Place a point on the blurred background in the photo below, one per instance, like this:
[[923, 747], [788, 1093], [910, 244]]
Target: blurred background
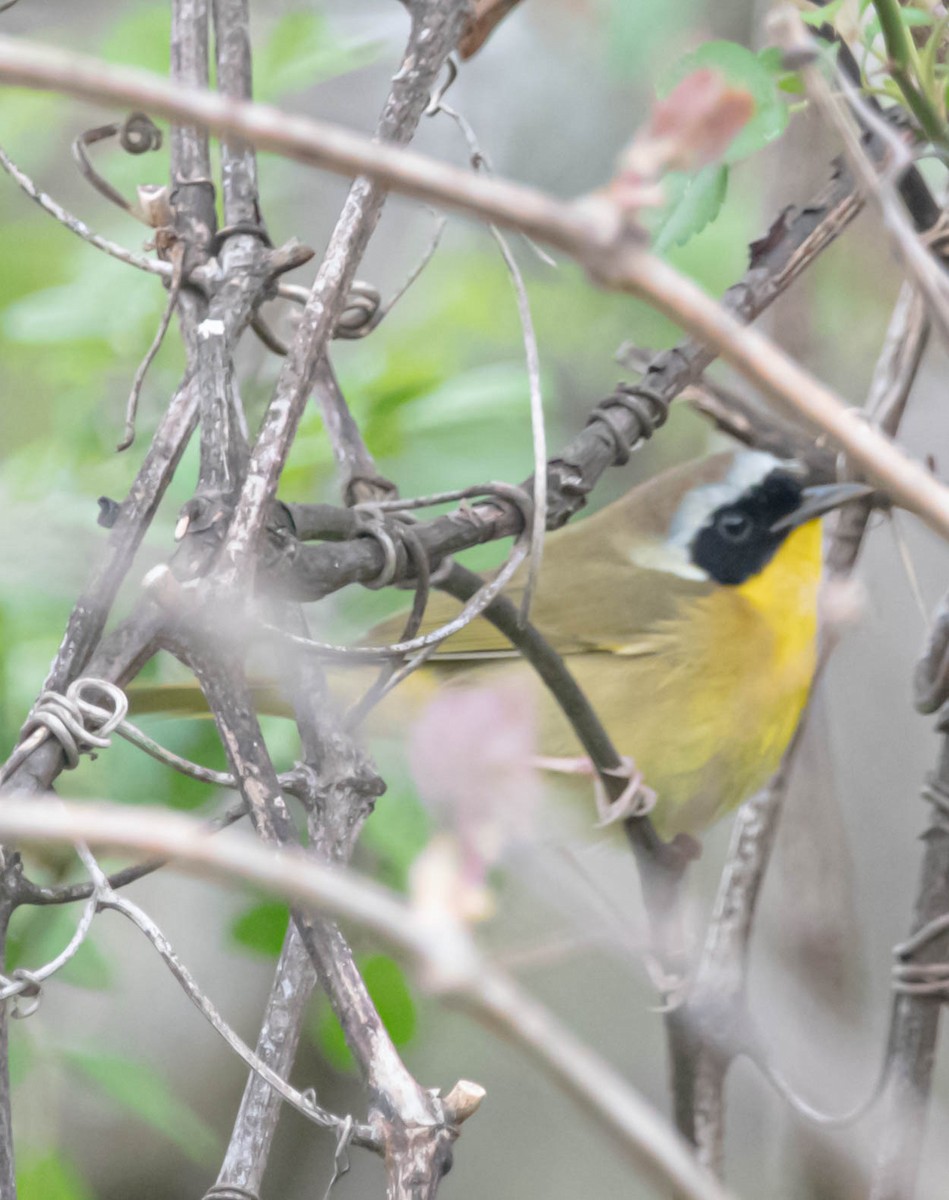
[[121, 1088]]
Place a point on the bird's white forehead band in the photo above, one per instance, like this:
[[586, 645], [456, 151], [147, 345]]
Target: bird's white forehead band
[[747, 470]]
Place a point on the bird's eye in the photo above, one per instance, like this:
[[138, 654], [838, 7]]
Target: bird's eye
[[734, 526]]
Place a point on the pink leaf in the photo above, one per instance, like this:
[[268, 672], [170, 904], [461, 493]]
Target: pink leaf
[[470, 753]]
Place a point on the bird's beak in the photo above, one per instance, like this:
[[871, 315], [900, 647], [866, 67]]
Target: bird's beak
[[815, 501]]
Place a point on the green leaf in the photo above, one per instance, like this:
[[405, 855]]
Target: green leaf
[[302, 51], [50, 1178], [743, 69], [696, 206], [135, 1088], [929, 66], [390, 993], [262, 928]]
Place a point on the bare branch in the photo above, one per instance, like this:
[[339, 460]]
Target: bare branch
[[7, 1166], [443, 949], [255, 1124], [593, 232], [238, 160], [411, 1128], [920, 972], [88, 618], [919, 264], [338, 786], [914, 1025], [435, 29], [193, 196]]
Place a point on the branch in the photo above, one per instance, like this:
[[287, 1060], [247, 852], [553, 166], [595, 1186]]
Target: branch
[[338, 787], [920, 972], [435, 30], [272, 1079], [193, 196], [436, 26], [88, 617], [411, 1128], [918, 263], [238, 160], [441, 948], [792, 243], [248, 1148], [592, 231]]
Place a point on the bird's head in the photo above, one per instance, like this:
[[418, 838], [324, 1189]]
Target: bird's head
[[726, 518]]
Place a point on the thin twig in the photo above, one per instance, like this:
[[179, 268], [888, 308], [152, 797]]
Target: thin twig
[[479, 162], [131, 408], [914, 1023], [338, 786], [301, 1101], [416, 1139], [153, 265], [436, 26], [919, 264]]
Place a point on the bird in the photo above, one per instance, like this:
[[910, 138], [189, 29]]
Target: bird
[[687, 612]]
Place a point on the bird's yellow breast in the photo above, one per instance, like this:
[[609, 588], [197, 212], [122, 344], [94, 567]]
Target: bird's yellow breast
[[710, 706]]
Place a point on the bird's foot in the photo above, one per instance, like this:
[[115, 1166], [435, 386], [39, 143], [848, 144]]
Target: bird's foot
[[635, 800]]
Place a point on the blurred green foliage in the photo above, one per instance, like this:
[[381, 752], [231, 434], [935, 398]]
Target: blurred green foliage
[[137, 1089], [50, 1178]]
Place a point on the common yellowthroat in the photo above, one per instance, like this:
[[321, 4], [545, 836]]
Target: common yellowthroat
[[686, 611]]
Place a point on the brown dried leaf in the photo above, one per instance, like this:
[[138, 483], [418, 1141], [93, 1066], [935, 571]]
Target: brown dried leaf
[[690, 128]]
